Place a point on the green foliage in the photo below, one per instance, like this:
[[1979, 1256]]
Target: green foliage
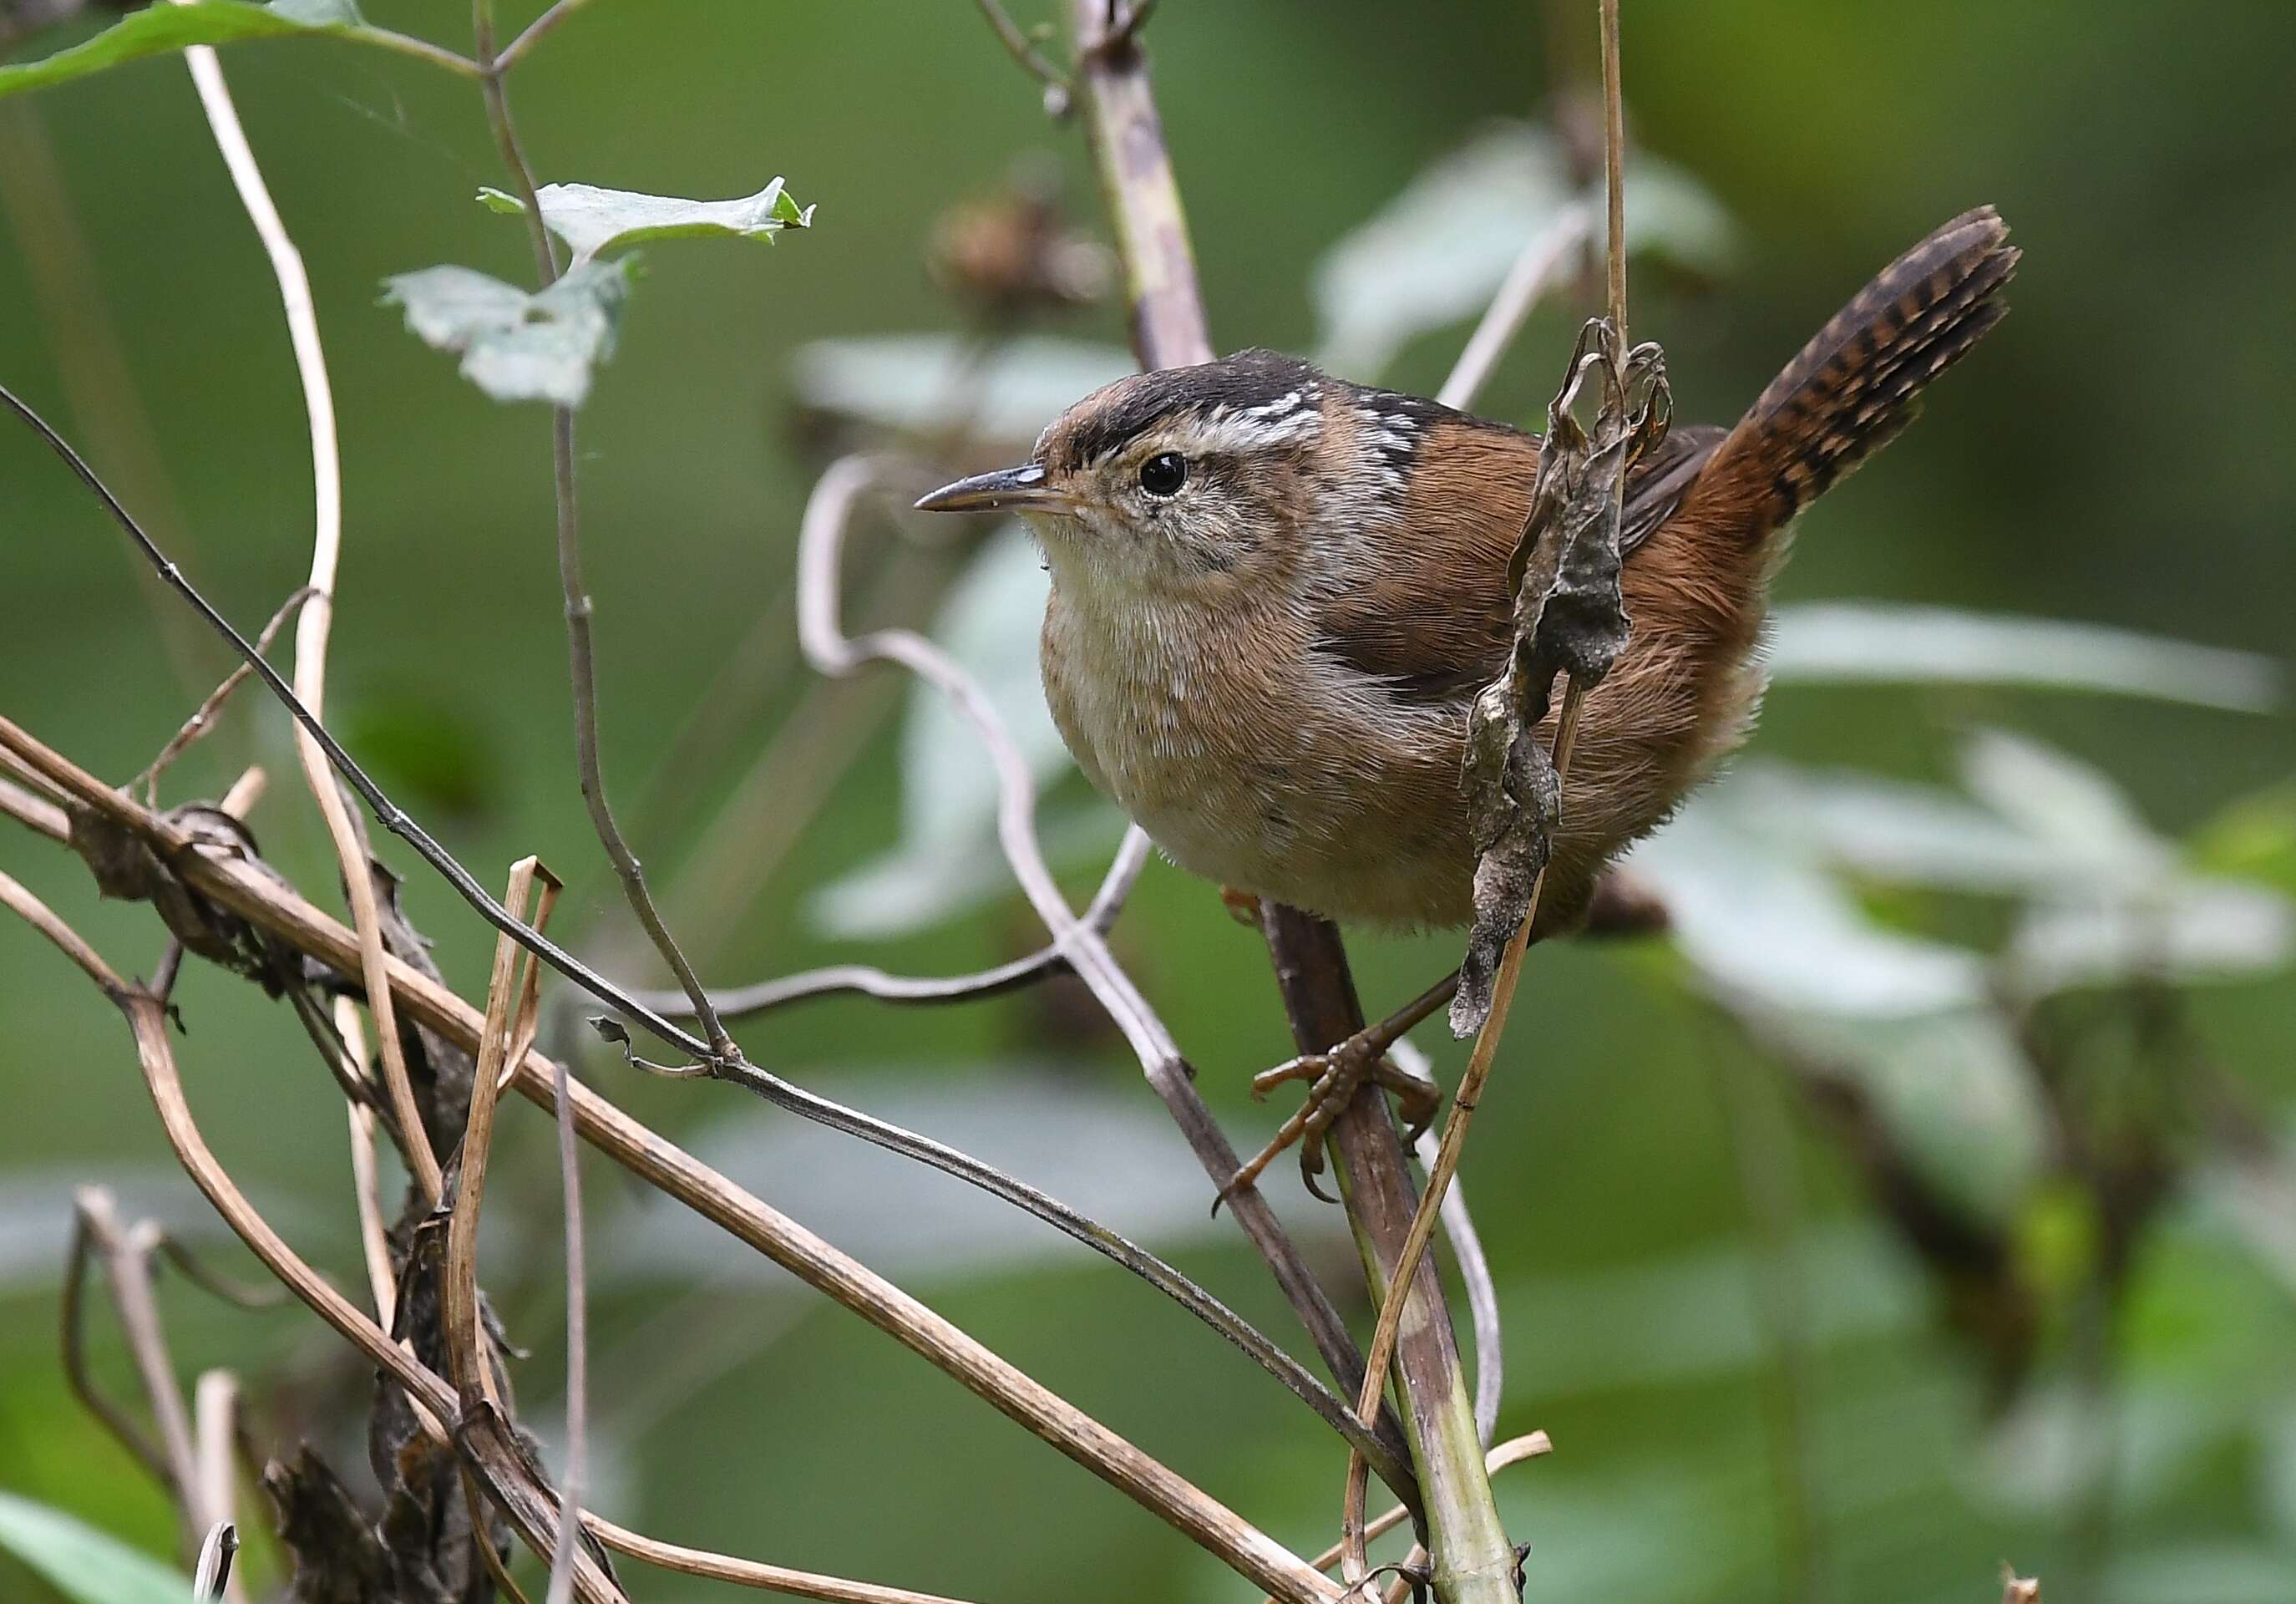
[[82, 1563], [160, 29], [594, 220], [516, 346]]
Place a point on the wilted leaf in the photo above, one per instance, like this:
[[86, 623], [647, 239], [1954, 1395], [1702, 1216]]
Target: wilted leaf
[[83, 1564], [518, 347], [161, 29], [594, 220], [1569, 619], [1437, 253], [1866, 643], [931, 384]]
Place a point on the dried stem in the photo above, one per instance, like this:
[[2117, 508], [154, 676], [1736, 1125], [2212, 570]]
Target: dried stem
[[538, 30], [269, 906], [748, 1573], [1548, 257], [312, 628], [1017, 47]]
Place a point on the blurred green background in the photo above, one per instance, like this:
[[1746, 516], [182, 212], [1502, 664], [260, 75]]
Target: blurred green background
[[1732, 1421]]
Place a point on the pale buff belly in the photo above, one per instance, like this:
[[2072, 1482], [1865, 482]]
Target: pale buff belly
[[1300, 788]]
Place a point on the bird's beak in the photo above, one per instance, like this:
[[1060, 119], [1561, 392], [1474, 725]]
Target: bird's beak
[[1023, 487]]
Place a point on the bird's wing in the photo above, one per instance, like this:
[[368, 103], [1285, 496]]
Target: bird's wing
[[1429, 612]]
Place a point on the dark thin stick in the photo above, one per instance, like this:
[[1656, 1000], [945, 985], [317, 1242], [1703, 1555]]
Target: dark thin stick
[[783, 1094], [581, 663], [203, 716]]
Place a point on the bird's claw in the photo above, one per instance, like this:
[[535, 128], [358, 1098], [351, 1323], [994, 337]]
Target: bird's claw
[[1333, 1077]]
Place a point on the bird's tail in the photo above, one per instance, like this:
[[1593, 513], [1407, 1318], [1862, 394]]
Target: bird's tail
[[1856, 383]]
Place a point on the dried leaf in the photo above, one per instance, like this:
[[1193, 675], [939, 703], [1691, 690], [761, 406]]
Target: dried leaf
[[338, 1559], [1568, 617]]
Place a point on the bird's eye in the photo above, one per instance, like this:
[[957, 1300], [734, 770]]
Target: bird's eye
[[1164, 473]]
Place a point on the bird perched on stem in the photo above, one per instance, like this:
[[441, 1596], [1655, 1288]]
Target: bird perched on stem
[[1275, 594]]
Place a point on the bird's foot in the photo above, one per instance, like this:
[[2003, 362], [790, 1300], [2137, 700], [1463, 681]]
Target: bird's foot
[[1333, 1077]]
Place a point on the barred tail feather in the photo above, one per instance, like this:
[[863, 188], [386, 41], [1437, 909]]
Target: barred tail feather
[[1856, 383]]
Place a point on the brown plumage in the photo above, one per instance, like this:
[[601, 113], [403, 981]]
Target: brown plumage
[[1274, 594]]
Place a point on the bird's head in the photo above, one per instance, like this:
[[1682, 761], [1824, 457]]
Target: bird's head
[[1183, 479]]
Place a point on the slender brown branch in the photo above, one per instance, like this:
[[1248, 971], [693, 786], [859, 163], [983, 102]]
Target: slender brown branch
[[203, 716], [215, 1432], [1547, 258], [35, 811], [536, 31], [1017, 47], [748, 1573]]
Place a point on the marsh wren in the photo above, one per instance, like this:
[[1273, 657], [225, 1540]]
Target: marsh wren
[[1275, 594]]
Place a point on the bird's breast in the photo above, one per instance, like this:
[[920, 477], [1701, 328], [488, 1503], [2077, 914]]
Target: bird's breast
[[1253, 758]]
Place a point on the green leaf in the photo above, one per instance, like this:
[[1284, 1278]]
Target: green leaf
[[82, 1563], [161, 29], [518, 347], [595, 221]]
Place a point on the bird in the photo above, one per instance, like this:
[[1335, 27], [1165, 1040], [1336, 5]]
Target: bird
[[1275, 594]]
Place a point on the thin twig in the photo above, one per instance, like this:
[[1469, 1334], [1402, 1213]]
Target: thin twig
[[314, 626], [240, 1295], [36, 811], [835, 979], [1474, 1274], [203, 716], [1017, 45], [366, 1187], [1546, 257], [540, 29], [279, 912], [748, 1573], [580, 651]]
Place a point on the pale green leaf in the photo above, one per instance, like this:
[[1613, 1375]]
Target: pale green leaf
[[84, 1564], [515, 346], [594, 220]]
